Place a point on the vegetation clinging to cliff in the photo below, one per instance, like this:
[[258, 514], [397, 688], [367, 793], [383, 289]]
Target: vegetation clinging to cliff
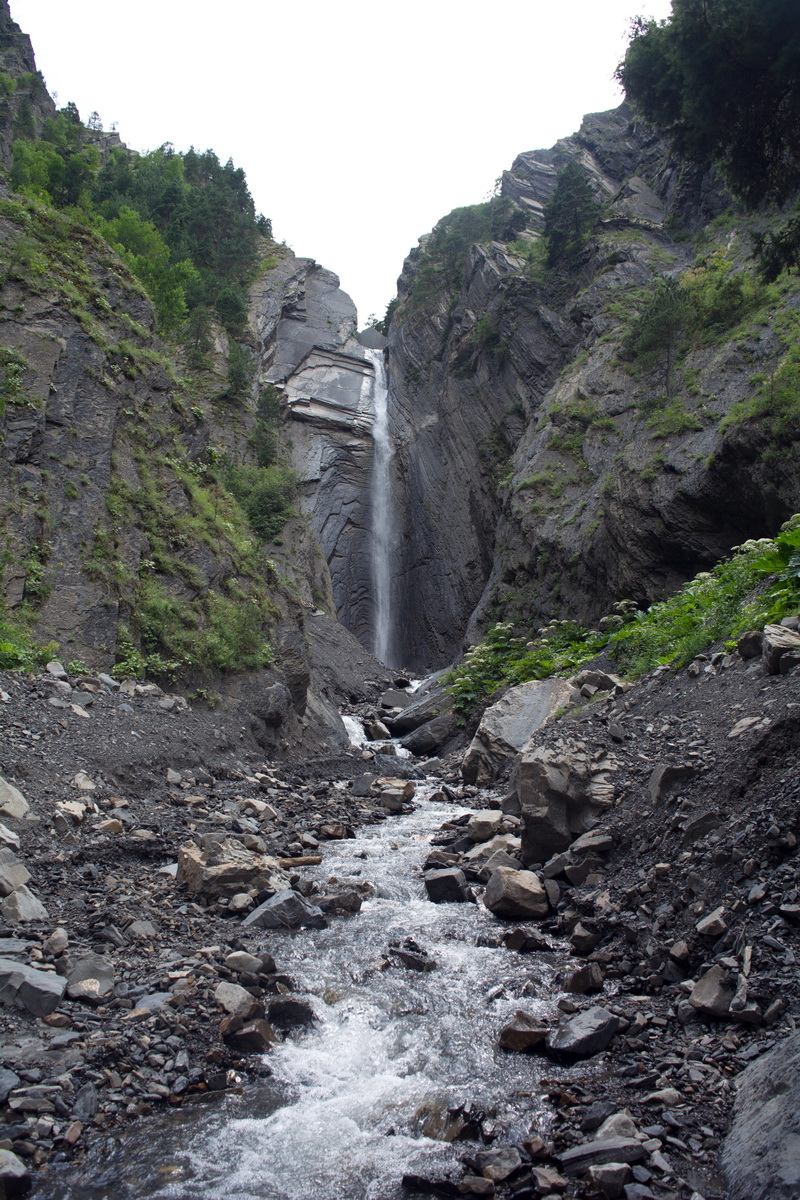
[[715, 606]]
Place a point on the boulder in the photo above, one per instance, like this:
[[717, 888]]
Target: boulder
[[23, 906], [15, 1178], [761, 1154], [90, 977], [430, 737], [582, 1035], [556, 800], [40, 992], [777, 642], [482, 826], [515, 894], [255, 1037], [12, 801], [286, 910], [523, 1032], [578, 1159], [498, 1165], [233, 998], [226, 867], [509, 724], [13, 872], [712, 993], [448, 886], [588, 978]]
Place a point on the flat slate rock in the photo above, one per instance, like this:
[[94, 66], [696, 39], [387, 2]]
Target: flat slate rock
[[40, 992], [578, 1159]]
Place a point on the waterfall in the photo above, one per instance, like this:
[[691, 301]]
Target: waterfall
[[382, 523]]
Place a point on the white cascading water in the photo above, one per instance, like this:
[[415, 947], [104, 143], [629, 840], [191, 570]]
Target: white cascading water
[[382, 510], [342, 1115]]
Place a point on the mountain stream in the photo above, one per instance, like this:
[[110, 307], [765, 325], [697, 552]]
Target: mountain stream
[[345, 1111]]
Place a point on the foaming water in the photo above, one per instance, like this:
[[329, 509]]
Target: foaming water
[[341, 1117]]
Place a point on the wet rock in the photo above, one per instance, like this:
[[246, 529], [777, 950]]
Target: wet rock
[[584, 938], [476, 1185], [286, 910], [15, 1178], [254, 1037], [225, 867], [523, 1032], [518, 895], [290, 1012], [12, 801], [448, 886], [761, 1154], [712, 994], [90, 977], [23, 906], [243, 963], [588, 978], [412, 955], [431, 736], [584, 1034], [498, 1165], [507, 726], [40, 992]]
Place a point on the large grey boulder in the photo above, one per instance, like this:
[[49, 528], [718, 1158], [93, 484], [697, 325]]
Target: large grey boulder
[[448, 886], [584, 1034], [23, 906], [13, 872], [286, 910], [761, 1154], [712, 993], [90, 977], [225, 867], [509, 724], [778, 641], [40, 992], [559, 793], [12, 801], [519, 895]]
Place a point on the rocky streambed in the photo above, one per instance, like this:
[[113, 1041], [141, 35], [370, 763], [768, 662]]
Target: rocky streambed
[[450, 1017]]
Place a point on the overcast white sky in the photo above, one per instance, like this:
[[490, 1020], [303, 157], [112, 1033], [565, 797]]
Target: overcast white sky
[[358, 125]]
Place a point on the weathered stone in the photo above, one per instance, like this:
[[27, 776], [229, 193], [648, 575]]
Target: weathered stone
[[432, 736], [712, 994], [497, 1165], [8, 837], [666, 780], [227, 867], [515, 894], [476, 1185], [286, 910], [588, 978], [609, 1179], [23, 906], [141, 931], [713, 925], [234, 999], [484, 824], [90, 977], [584, 938], [40, 992], [761, 1154], [554, 792], [777, 642], [12, 802], [448, 886], [507, 726], [13, 872], [56, 943], [750, 644], [578, 1159], [243, 963], [699, 826], [593, 842], [255, 1037], [523, 1032], [15, 1178], [584, 1034]]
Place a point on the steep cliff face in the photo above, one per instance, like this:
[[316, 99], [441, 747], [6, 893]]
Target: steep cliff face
[[545, 472], [310, 349]]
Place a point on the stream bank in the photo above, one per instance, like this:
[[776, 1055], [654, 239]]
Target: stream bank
[[671, 1065]]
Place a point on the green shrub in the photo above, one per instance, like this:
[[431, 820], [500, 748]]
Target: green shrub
[[265, 493]]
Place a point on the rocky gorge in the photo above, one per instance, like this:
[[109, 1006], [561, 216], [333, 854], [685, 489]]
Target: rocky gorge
[[278, 920]]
